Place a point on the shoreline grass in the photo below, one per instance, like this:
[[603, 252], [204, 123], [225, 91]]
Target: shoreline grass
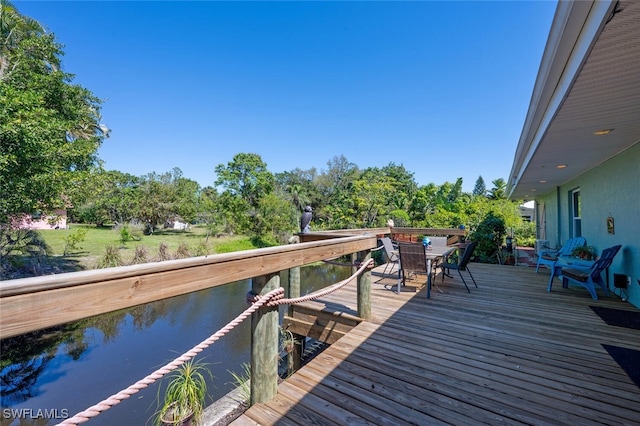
[[177, 243]]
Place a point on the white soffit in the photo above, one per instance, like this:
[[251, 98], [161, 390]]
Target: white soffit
[[599, 88]]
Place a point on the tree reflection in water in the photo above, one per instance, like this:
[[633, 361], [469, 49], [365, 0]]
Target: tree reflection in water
[[26, 361]]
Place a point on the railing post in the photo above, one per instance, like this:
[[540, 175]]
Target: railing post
[[364, 288], [264, 343], [354, 260], [294, 359]]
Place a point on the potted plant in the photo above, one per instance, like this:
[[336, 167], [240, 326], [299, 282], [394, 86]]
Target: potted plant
[[185, 395], [584, 252]]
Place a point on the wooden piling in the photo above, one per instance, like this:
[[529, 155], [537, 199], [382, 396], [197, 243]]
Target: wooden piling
[[264, 343], [295, 357], [364, 288]]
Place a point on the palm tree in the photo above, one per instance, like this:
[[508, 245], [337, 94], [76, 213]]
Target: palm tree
[[499, 190], [14, 27]]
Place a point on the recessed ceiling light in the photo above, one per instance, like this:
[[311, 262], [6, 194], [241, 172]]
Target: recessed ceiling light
[[603, 132], [561, 166]]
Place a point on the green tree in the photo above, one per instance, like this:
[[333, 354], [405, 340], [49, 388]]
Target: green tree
[[489, 235], [334, 187], [499, 190], [246, 181], [404, 186], [156, 200], [210, 211], [15, 27], [480, 188], [276, 221], [186, 198], [299, 187], [50, 129], [109, 196]]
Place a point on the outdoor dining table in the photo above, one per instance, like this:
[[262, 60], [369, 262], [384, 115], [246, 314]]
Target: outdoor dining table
[[432, 253]]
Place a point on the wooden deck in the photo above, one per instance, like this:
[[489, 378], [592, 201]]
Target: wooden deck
[[509, 352]]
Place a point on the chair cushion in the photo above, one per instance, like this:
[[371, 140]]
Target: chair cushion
[[576, 274]]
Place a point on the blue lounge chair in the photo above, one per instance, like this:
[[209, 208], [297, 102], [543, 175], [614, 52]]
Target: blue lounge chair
[[589, 277], [551, 257]]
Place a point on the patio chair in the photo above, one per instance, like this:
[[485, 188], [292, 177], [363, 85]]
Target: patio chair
[[391, 251], [445, 259], [591, 276], [462, 265], [551, 257], [412, 258]]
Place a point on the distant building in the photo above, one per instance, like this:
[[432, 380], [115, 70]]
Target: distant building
[[527, 212], [55, 220]]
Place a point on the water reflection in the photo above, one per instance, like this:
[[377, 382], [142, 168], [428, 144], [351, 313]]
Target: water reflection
[[74, 366]]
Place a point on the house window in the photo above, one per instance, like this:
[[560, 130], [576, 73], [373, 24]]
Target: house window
[[575, 213]]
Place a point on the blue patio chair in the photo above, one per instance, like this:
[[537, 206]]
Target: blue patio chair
[[588, 278], [551, 257], [461, 265]]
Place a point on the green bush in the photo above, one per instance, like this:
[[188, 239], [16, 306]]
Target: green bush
[[21, 249], [131, 231], [163, 252], [182, 252], [110, 258], [489, 235], [141, 255], [73, 239], [400, 218]]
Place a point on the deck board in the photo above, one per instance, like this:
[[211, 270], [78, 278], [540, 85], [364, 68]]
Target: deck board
[[510, 352]]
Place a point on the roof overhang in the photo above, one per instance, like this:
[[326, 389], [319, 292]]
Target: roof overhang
[[585, 106]]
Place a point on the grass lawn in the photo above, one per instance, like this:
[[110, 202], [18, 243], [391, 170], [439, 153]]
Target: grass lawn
[[89, 251]]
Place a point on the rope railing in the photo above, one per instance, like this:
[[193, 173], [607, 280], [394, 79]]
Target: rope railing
[[272, 298]]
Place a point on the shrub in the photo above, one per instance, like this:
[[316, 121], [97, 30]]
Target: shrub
[[131, 231], [163, 252], [141, 255], [110, 258], [73, 239], [182, 252], [202, 249], [525, 234], [489, 235], [25, 242], [400, 218]]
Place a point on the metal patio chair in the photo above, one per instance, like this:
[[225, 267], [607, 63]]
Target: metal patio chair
[[461, 265]]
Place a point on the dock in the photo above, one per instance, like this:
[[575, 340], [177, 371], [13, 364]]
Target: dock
[[508, 352]]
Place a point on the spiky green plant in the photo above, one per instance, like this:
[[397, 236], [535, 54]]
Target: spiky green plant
[[185, 394], [163, 252], [182, 252], [242, 381], [110, 258], [141, 255]]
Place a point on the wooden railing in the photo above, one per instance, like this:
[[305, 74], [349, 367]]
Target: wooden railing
[[453, 235], [36, 303]]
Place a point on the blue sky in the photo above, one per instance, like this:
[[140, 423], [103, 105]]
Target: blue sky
[[440, 87]]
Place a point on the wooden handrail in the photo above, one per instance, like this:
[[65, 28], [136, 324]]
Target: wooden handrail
[[31, 304], [429, 231]]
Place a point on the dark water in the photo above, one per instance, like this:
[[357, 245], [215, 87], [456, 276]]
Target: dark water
[[67, 369]]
